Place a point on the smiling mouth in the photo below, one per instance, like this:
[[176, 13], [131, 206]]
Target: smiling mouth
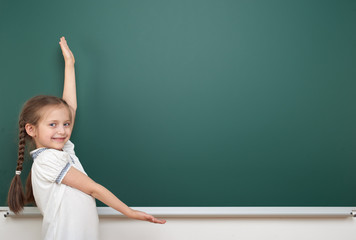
[[59, 139]]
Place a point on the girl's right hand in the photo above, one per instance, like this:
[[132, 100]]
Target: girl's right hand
[[146, 217]]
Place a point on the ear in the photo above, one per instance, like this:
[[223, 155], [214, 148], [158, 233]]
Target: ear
[[30, 129]]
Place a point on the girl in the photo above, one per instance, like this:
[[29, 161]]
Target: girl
[[57, 182]]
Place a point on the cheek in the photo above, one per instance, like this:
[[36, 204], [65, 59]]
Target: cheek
[[47, 132], [69, 131]]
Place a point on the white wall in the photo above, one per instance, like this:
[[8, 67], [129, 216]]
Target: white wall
[[20, 228]]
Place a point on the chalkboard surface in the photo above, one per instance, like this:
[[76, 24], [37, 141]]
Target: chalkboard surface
[[194, 103]]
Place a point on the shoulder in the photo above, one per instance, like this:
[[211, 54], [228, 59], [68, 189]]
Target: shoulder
[[50, 165], [69, 147], [47, 156]]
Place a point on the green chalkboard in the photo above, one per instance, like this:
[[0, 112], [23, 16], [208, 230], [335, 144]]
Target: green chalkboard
[[194, 103]]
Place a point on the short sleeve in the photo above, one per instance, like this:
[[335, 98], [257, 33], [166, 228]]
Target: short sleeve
[[52, 165], [69, 147]]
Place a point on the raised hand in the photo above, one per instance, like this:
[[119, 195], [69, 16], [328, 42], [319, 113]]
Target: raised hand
[[67, 53]]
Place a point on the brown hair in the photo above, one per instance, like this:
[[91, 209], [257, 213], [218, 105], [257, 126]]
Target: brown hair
[[31, 113]]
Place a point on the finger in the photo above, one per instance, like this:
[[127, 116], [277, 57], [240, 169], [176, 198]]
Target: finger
[[149, 218], [64, 46], [61, 40], [160, 221]]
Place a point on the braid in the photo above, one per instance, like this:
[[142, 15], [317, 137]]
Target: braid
[[22, 144], [29, 198], [16, 196]]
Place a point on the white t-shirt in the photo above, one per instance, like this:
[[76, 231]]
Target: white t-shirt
[[68, 214]]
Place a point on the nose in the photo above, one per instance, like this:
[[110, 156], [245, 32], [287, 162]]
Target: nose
[[60, 130]]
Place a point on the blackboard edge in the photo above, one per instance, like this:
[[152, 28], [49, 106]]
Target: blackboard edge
[[215, 212]]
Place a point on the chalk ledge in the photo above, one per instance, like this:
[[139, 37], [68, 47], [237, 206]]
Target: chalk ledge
[[213, 212]]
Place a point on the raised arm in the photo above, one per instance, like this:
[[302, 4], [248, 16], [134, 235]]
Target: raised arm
[[69, 89]]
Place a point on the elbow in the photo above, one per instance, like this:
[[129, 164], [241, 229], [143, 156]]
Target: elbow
[[95, 191]]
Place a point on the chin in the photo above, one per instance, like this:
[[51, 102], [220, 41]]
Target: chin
[[58, 146]]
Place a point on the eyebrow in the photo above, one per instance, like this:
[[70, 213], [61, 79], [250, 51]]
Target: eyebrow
[[59, 121]]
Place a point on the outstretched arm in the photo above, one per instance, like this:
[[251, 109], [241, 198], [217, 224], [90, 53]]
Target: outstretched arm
[[69, 89], [76, 179]]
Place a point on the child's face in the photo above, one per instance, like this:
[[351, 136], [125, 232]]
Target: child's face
[[54, 128]]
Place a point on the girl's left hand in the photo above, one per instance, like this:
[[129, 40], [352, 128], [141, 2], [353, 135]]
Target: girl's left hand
[[146, 217], [67, 53]]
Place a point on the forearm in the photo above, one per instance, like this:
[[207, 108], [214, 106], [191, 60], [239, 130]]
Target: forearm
[[69, 89], [76, 179], [105, 196]]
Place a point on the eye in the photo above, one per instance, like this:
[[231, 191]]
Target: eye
[[52, 124], [67, 124]]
